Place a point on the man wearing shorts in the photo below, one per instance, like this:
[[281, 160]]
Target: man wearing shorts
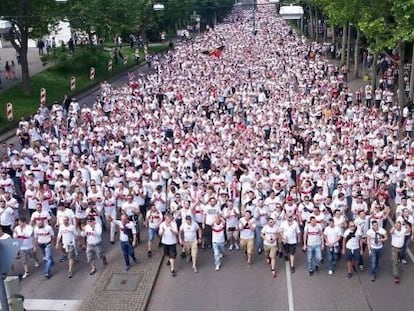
[[153, 221], [269, 235], [247, 227], [67, 237], [169, 237], [24, 233], [190, 237], [93, 233], [351, 247], [290, 231]]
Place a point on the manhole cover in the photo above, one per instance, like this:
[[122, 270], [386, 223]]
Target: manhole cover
[[123, 282]]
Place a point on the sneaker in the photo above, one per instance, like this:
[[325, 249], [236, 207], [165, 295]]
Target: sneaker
[[268, 260], [310, 273], [373, 278], [349, 275], [397, 280], [149, 254], [25, 275], [237, 246], [195, 269], [273, 273], [231, 247], [47, 276], [36, 264], [173, 273], [259, 251], [404, 261], [93, 271], [361, 268], [217, 267], [292, 270], [104, 261], [317, 268], [112, 242], [330, 272], [63, 258], [70, 274], [127, 268]]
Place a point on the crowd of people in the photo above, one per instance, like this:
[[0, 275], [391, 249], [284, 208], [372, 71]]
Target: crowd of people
[[261, 147]]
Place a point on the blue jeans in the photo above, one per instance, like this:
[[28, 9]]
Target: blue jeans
[[331, 257], [48, 258], [127, 250], [258, 237], [218, 249], [314, 256], [374, 259]]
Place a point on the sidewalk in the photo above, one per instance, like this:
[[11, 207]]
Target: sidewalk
[[9, 54], [126, 291]]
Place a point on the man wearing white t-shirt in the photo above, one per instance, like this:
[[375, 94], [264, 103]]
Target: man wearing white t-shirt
[[190, 237], [93, 233], [269, 235], [24, 233], [376, 236], [43, 236], [67, 237], [128, 239], [247, 227], [397, 233], [351, 247], [231, 215], [169, 237], [313, 245], [218, 240], [40, 216], [290, 235], [153, 221], [210, 211], [332, 236], [6, 217]]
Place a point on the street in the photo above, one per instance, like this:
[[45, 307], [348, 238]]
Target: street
[[237, 287]]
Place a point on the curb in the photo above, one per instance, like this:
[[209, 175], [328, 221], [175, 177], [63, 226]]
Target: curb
[[147, 298]]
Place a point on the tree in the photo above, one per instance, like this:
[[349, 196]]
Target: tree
[[388, 25], [29, 18]]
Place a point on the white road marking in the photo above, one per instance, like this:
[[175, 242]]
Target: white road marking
[[52, 305], [410, 254], [289, 287]]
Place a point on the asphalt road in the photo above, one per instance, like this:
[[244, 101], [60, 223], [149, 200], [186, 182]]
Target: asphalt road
[[237, 287]]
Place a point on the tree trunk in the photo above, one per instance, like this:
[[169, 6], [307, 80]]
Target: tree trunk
[[374, 72], [311, 21], [348, 47], [343, 48], [316, 25], [356, 55], [401, 88], [412, 75], [20, 44]]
